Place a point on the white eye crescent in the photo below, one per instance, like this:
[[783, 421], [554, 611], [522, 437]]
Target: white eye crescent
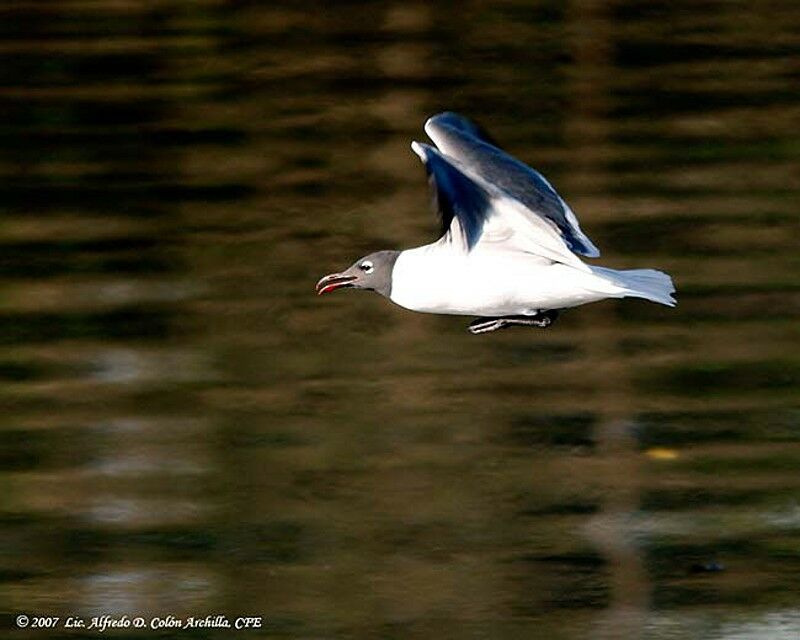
[[367, 266]]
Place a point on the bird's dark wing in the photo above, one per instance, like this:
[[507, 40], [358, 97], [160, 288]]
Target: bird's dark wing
[[475, 213], [459, 138], [455, 195]]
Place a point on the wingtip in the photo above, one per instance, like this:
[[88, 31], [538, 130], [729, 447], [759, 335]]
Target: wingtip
[[591, 251], [419, 149], [432, 120], [449, 120], [580, 244]]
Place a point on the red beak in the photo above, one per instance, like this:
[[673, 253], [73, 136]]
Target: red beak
[[332, 282]]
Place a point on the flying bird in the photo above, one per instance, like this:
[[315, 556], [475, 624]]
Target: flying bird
[[510, 247]]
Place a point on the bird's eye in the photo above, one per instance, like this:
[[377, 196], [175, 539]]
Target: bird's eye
[[366, 266]]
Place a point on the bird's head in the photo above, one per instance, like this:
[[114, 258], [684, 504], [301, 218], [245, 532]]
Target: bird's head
[[373, 272]]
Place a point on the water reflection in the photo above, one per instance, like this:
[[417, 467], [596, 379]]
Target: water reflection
[[188, 430]]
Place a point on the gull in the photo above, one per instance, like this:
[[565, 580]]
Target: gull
[[510, 249]]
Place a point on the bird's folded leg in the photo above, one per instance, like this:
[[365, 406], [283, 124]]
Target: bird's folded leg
[[485, 325], [542, 320]]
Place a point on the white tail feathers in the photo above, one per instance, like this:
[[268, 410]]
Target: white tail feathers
[[649, 284]]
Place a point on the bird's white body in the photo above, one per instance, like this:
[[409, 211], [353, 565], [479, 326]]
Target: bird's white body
[[439, 278]]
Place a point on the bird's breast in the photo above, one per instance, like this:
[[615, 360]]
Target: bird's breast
[[464, 284]]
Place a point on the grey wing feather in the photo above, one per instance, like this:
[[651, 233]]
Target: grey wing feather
[[463, 140]]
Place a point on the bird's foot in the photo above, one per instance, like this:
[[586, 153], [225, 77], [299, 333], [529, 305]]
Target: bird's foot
[[541, 320]]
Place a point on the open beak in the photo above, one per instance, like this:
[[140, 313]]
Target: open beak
[[334, 281]]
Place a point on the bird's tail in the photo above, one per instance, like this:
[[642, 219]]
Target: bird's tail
[[649, 284]]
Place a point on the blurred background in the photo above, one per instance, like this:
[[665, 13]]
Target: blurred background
[[187, 429]]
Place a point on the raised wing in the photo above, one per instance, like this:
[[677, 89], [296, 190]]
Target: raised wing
[[463, 140], [478, 214]]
